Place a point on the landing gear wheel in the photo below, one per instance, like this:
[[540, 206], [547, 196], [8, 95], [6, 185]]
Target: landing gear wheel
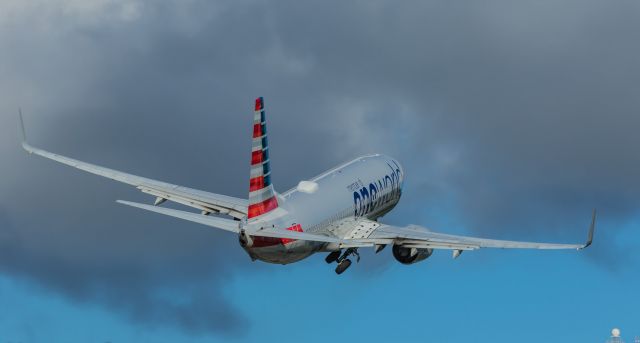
[[332, 257], [342, 266]]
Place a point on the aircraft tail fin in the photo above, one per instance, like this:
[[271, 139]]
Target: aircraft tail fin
[[262, 196]]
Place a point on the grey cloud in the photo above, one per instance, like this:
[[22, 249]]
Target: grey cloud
[[514, 119]]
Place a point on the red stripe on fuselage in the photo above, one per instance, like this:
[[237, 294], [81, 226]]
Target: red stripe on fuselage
[[297, 228], [262, 207], [262, 242]]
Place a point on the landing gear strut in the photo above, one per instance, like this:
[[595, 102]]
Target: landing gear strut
[[344, 262]]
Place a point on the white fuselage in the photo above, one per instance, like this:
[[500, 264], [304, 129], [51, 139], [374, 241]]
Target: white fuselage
[[368, 186]]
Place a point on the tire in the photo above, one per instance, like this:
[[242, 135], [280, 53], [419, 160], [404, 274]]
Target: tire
[[332, 257], [342, 266]]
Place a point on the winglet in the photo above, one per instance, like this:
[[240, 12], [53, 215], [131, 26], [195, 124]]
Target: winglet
[[23, 132], [592, 228]]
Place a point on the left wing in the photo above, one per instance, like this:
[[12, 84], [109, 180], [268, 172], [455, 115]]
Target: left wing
[[369, 233]]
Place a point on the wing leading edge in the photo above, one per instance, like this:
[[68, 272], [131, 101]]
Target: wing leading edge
[[204, 201]]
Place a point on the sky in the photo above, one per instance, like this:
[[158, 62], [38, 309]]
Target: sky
[[512, 120]]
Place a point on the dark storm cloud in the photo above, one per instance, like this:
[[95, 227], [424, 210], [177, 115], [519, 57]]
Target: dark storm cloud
[[513, 118]]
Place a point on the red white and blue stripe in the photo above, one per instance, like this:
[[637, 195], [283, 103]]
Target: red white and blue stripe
[[262, 197]]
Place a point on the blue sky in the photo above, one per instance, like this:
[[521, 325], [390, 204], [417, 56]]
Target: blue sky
[[512, 120], [493, 296]]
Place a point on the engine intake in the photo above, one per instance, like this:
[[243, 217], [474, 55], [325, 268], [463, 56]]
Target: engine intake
[[406, 255]]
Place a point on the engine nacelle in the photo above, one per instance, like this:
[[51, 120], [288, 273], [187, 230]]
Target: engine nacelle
[[406, 255]]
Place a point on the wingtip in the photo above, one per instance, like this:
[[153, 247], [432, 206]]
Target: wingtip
[[592, 229], [23, 133]]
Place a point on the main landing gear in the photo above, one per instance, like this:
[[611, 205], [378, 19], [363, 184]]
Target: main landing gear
[[342, 266], [333, 256], [342, 260]]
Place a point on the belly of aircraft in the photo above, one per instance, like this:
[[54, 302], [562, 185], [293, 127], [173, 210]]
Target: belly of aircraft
[[279, 252]]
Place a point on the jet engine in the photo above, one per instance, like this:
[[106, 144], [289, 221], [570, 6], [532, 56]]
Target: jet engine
[[406, 255]]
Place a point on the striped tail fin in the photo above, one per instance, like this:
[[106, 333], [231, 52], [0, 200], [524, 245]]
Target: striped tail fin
[[262, 196]]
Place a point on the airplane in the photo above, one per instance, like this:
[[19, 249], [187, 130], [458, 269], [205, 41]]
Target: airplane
[[336, 212]]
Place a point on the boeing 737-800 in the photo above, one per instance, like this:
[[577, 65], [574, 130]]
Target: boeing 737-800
[[336, 212]]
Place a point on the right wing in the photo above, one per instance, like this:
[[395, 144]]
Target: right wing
[[204, 201]]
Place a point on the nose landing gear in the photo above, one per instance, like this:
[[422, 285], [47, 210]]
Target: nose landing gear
[[343, 261]]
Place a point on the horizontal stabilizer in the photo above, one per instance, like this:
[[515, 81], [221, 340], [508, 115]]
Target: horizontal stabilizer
[[231, 225], [224, 224]]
